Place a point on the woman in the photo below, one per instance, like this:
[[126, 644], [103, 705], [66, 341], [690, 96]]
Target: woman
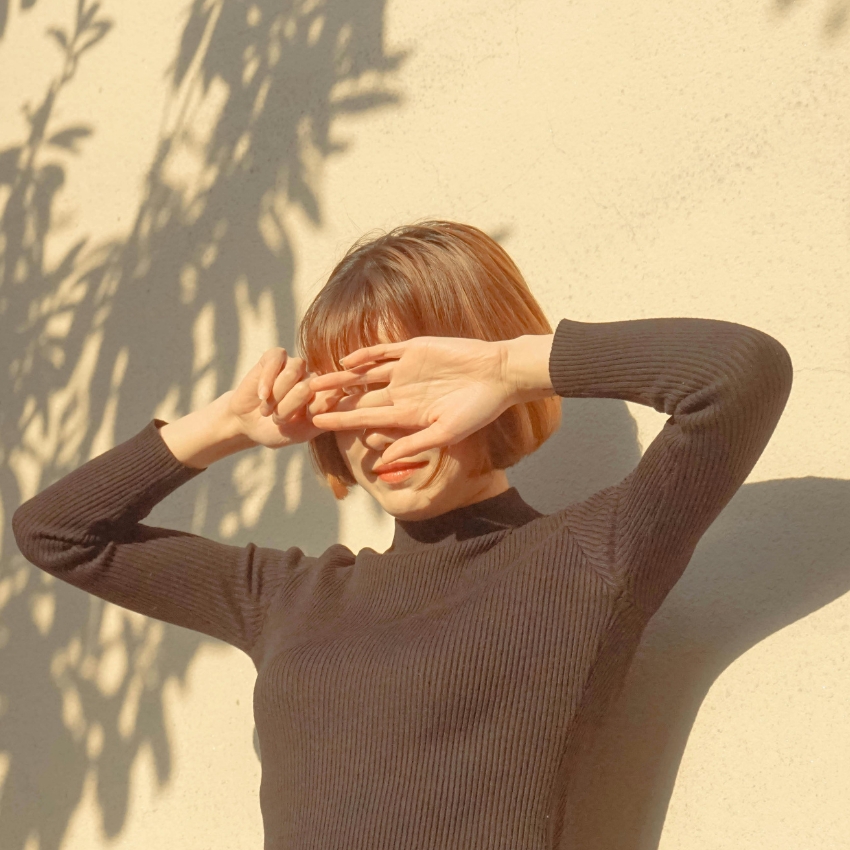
[[434, 695]]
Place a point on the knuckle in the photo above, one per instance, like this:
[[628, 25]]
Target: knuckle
[[274, 355], [293, 364]]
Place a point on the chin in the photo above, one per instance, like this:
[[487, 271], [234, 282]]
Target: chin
[[405, 504]]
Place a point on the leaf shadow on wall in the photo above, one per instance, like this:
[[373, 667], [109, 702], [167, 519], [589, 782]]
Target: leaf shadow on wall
[[35, 739], [834, 22], [4, 13], [157, 320], [775, 554]]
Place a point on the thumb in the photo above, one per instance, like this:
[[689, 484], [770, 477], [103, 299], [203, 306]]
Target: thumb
[[414, 444]]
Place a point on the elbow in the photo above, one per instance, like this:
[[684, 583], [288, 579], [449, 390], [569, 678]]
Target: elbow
[[786, 367], [38, 547], [770, 368], [41, 546], [779, 367], [25, 532]]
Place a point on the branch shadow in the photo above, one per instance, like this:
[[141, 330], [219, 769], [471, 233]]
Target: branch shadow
[[162, 318], [835, 21], [25, 5], [777, 553], [159, 321]]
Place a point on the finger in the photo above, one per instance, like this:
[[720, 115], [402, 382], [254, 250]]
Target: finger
[[338, 402], [374, 417], [372, 352], [377, 397], [293, 400], [324, 402], [361, 401], [272, 361], [286, 379], [365, 374], [431, 437]]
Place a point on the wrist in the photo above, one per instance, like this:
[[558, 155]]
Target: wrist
[[204, 436], [226, 425], [526, 361]]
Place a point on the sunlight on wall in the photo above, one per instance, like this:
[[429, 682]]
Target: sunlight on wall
[[258, 330], [173, 206], [253, 479], [104, 438], [293, 482]]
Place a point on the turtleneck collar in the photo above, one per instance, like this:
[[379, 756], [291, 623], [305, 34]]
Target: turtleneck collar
[[507, 510]]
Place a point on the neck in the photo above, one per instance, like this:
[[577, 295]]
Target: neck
[[497, 513]]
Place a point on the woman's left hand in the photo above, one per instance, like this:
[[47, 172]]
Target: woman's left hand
[[447, 387]]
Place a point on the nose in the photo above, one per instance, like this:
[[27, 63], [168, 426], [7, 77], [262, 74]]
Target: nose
[[378, 438]]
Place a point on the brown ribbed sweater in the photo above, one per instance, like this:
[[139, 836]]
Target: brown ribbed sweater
[[431, 696]]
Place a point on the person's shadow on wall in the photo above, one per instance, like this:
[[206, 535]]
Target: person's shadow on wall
[[776, 553], [94, 342]]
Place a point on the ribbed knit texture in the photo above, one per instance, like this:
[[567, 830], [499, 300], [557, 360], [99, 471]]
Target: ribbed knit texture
[[432, 696]]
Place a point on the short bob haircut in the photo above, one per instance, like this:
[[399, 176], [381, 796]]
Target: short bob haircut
[[430, 278]]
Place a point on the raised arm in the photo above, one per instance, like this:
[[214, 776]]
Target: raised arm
[[86, 530], [724, 387]]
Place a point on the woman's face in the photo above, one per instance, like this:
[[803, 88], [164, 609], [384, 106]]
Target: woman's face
[[456, 487]]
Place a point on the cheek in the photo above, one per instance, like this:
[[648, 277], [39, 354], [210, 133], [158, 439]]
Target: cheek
[[346, 443]]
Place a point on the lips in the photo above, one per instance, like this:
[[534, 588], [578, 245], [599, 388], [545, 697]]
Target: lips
[[391, 467]]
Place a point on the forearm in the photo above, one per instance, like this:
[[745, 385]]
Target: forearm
[[204, 436], [527, 367], [722, 387]]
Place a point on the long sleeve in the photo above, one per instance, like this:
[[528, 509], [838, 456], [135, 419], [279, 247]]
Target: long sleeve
[[724, 387], [86, 530]]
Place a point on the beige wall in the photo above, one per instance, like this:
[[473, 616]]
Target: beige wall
[[658, 159]]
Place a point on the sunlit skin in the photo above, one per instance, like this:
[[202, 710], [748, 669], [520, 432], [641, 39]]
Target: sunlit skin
[[456, 487], [362, 452]]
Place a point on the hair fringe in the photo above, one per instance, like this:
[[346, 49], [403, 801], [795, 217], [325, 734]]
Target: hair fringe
[[429, 278]]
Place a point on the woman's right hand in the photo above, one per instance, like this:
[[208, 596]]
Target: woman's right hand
[[272, 402]]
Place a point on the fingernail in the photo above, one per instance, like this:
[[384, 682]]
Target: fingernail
[[263, 392]]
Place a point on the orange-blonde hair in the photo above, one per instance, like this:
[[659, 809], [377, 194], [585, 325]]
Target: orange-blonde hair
[[430, 278]]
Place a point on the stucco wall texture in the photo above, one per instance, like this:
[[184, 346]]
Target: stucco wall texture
[[178, 179]]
